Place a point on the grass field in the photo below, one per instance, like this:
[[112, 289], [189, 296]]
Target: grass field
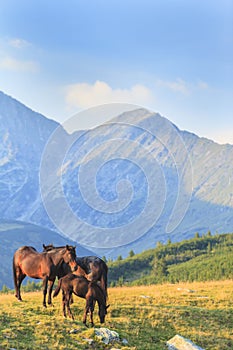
[[145, 316]]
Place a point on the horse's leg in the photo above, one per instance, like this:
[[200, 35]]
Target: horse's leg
[[64, 304], [15, 278], [20, 279], [85, 313], [91, 317], [88, 308], [45, 286], [50, 284], [68, 299]]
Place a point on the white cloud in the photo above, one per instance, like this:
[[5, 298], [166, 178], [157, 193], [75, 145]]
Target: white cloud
[[10, 63], [19, 43], [85, 95], [179, 85]]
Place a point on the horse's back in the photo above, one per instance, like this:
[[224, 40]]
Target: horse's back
[[29, 261], [24, 251], [79, 284], [87, 262]]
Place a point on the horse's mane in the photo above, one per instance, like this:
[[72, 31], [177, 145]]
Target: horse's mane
[[50, 247]]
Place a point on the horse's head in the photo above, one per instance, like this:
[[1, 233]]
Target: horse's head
[[70, 257], [47, 248], [103, 312]]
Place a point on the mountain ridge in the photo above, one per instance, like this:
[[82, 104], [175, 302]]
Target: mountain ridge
[[193, 187]]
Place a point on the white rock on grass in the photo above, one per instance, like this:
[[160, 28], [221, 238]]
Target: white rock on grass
[[106, 335], [180, 343]]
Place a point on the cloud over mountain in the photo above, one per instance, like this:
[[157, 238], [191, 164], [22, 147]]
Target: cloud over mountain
[[84, 95]]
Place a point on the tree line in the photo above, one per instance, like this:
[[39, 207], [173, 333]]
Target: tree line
[[201, 258]]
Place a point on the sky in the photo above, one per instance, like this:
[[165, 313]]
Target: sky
[[174, 57]]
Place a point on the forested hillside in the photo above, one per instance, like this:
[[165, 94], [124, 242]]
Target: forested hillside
[[197, 259]]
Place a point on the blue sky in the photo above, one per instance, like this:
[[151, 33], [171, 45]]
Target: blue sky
[[174, 57]]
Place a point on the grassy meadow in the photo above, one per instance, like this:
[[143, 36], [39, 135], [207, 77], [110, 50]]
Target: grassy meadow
[[146, 316]]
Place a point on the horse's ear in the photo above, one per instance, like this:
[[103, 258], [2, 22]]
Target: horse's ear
[[43, 245], [67, 247]]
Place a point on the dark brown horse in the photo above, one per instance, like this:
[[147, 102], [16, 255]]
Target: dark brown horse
[[93, 268], [83, 288], [28, 262]]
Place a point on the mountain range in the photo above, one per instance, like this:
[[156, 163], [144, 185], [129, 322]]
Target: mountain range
[[124, 185]]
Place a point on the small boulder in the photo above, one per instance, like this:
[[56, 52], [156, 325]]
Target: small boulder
[[106, 335], [180, 343]]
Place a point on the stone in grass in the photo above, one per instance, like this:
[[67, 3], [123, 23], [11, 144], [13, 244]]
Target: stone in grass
[[89, 340], [106, 335], [124, 341], [74, 331], [180, 343]]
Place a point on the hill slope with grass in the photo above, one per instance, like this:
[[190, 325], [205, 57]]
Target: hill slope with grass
[[197, 259]]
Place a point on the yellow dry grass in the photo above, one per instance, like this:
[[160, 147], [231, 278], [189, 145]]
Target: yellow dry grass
[[147, 316]]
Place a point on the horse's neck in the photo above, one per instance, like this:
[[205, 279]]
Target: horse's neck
[[99, 296], [57, 257]]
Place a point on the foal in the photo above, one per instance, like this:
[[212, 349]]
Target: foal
[[83, 288]]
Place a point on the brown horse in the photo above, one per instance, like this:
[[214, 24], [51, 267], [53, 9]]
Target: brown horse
[[92, 267], [28, 262], [83, 288]]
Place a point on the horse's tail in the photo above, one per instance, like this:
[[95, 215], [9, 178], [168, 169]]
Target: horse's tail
[[104, 279], [14, 272], [57, 290]]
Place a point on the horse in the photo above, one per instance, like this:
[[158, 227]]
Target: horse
[[28, 262], [83, 288], [92, 267]]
